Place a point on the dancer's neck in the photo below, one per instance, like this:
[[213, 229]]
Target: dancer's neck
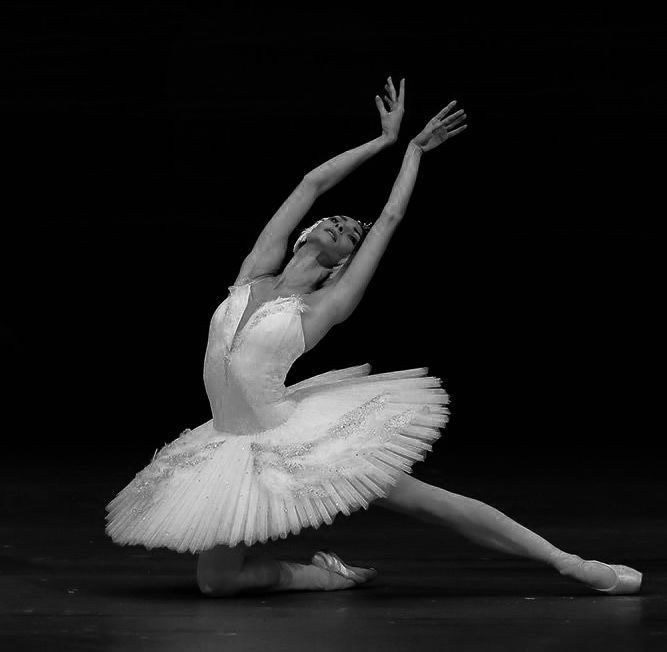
[[308, 268]]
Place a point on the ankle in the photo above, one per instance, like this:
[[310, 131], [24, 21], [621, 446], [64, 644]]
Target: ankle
[[296, 577], [286, 576], [563, 562]]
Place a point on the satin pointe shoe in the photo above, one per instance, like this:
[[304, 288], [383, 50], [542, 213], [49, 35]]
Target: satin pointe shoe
[[331, 562], [627, 580]]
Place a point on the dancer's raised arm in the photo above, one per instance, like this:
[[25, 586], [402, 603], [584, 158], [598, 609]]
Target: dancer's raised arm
[[346, 294], [271, 246], [334, 170]]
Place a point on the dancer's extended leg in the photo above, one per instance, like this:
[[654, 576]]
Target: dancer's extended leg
[[488, 527]]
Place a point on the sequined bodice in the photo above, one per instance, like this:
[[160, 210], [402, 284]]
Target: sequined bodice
[[245, 369]]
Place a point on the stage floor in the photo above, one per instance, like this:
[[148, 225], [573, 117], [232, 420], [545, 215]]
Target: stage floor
[[66, 586]]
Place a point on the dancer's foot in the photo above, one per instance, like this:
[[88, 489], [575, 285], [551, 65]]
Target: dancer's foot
[[614, 578], [352, 575], [310, 577]]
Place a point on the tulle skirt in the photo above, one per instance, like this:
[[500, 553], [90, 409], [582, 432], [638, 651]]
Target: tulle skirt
[[348, 441]]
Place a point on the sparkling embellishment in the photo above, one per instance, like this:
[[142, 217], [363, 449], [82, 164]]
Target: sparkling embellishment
[[304, 473], [351, 422], [392, 425], [162, 467]]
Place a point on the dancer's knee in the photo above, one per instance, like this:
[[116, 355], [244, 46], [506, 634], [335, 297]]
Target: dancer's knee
[[219, 571], [219, 586]]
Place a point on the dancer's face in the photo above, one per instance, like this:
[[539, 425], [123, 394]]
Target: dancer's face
[[338, 235]]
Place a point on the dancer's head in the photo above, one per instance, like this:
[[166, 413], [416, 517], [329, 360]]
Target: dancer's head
[[337, 236], [337, 239]]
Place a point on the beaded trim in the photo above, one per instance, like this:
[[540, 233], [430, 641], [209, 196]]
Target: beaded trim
[[311, 477], [162, 467], [267, 308]]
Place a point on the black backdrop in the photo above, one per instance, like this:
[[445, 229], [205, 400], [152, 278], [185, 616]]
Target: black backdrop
[[148, 143]]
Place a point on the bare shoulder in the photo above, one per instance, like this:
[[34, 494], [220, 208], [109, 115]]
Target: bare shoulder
[[262, 262], [250, 276]]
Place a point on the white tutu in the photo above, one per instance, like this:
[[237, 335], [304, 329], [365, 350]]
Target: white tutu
[[270, 462]]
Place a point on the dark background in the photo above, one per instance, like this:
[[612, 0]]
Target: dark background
[[149, 142]]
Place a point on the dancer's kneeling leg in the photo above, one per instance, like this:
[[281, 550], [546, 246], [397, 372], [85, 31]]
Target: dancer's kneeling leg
[[219, 570]]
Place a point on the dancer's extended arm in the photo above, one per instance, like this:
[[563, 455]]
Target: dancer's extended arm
[[345, 295], [336, 169], [271, 246]]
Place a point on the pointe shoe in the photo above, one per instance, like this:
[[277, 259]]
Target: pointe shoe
[[628, 580], [331, 562]]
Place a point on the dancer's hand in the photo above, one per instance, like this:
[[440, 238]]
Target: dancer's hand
[[440, 128], [391, 120]]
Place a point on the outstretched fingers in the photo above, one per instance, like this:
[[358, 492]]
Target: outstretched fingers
[[391, 98], [443, 112], [456, 131], [380, 105], [389, 87], [453, 121], [454, 118]]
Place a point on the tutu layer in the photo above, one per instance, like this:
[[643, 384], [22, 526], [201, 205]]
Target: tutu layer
[[348, 441]]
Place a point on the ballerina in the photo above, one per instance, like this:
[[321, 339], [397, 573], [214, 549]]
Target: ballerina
[[275, 459]]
